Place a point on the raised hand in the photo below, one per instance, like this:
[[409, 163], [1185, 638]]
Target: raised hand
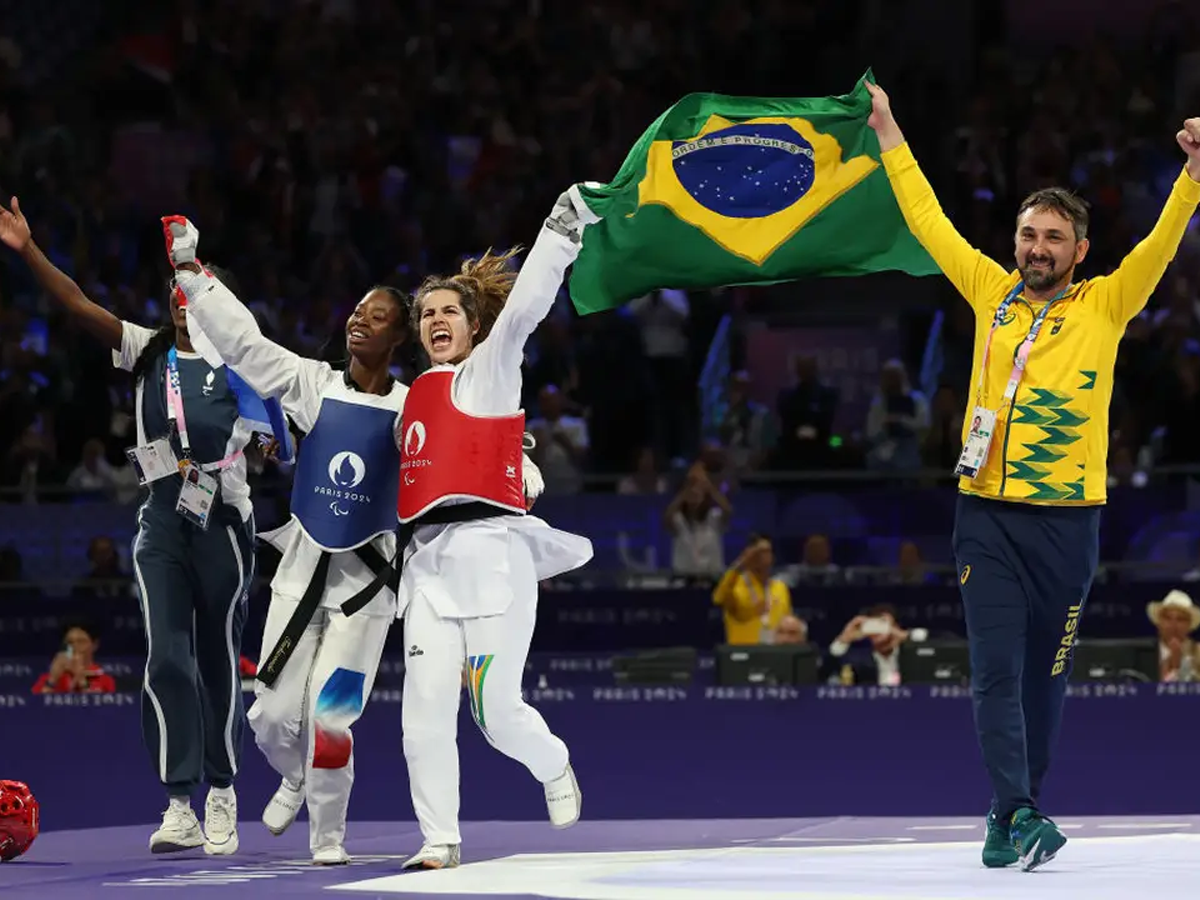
[[182, 239], [1189, 140], [14, 230], [882, 120]]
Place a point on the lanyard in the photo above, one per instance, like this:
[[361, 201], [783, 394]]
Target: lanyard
[[1023, 350], [175, 414], [757, 594], [175, 402]]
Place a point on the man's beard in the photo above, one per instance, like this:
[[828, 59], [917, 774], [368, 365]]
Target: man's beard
[[1037, 278]]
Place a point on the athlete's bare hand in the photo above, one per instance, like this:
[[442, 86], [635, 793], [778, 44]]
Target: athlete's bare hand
[[14, 230]]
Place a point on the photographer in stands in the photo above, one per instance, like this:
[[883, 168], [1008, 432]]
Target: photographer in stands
[[876, 659], [74, 668]]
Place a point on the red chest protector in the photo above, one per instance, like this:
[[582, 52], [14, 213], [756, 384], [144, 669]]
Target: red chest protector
[[449, 454]]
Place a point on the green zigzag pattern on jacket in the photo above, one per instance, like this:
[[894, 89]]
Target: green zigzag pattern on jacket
[[1048, 410]]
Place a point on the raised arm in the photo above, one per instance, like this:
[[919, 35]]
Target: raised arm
[[14, 231], [537, 285], [268, 368], [981, 280], [1126, 290]]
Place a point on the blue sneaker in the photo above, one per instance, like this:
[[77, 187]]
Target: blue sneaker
[[1037, 840], [998, 849]]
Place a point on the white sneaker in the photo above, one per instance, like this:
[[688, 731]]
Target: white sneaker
[[331, 856], [439, 856], [220, 822], [283, 808], [179, 830], [564, 801]]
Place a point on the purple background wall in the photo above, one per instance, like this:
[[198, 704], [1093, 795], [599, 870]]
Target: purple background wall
[[664, 753]]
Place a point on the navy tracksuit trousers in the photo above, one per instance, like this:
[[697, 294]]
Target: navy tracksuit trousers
[[1024, 572], [193, 587]]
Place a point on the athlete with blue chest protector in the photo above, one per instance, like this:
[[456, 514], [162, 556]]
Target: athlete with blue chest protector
[[194, 555], [333, 598]]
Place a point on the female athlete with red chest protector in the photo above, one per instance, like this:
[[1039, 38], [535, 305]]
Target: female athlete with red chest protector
[[473, 556]]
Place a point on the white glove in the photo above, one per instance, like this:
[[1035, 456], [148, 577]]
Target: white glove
[[182, 239], [571, 214], [531, 475]]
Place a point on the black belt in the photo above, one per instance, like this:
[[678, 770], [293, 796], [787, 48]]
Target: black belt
[[386, 574]]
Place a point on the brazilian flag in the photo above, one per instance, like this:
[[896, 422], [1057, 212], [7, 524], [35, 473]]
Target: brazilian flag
[[745, 190]]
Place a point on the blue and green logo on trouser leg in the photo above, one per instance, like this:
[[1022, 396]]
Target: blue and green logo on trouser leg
[[477, 669]]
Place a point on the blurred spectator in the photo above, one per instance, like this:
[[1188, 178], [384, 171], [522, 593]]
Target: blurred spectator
[[1176, 617], [663, 318], [106, 577], [897, 421], [943, 440], [806, 414], [562, 443], [816, 566], [93, 474], [753, 603], [746, 428], [74, 669], [714, 460], [697, 519], [645, 478], [30, 465], [791, 630], [910, 567]]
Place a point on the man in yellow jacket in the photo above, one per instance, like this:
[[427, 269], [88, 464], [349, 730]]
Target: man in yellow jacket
[[754, 603], [1033, 467]]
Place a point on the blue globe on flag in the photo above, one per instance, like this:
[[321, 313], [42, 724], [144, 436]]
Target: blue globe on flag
[[745, 171]]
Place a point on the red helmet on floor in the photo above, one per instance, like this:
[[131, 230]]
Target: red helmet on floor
[[18, 819]]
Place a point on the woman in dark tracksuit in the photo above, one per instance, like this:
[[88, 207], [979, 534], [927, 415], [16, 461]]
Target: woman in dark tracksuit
[[193, 555]]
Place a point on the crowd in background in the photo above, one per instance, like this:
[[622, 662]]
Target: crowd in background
[[340, 144]]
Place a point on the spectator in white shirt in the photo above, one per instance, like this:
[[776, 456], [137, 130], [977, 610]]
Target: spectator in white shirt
[[696, 520], [93, 472]]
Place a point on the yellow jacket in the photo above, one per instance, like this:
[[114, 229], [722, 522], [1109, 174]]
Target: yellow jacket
[[737, 593], [1050, 444]]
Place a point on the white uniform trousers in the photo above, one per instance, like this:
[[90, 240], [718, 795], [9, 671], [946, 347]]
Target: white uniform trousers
[[495, 649], [302, 724]]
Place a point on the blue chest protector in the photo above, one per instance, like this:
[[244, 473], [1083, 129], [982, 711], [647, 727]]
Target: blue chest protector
[[348, 476]]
